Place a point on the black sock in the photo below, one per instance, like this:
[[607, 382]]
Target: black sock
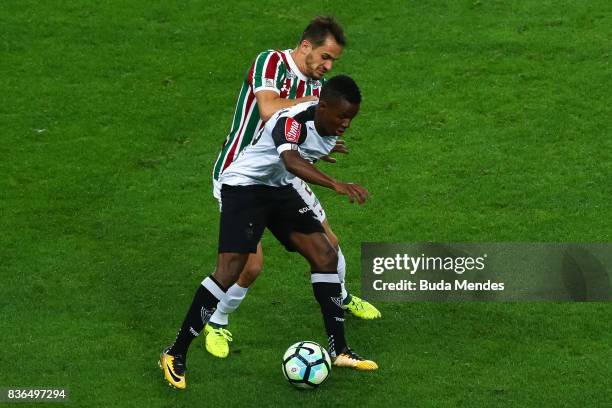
[[327, 291], [202, 307]]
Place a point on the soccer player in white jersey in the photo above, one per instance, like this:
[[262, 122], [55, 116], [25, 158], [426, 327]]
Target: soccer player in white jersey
[[257, 193], [276, 80]]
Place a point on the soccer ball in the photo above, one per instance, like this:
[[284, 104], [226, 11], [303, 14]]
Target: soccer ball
[[306, 364]]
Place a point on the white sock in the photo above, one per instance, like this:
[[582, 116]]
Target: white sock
[[342, 272], [228, 303]]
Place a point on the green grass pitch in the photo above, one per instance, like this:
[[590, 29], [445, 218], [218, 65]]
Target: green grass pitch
[[481, 121]]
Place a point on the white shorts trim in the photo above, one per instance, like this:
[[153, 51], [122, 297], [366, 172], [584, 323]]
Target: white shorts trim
[[309, 198]]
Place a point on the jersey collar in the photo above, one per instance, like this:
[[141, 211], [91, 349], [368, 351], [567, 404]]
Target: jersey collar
[[310, 122], [293, 66]]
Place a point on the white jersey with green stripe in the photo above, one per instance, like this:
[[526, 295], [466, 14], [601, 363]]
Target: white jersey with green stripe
[[272, 70]]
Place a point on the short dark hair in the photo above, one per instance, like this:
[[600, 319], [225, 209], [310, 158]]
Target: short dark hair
[[341, 86], [322, 27]]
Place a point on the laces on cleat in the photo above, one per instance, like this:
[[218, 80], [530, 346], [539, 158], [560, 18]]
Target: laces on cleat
[[220, 331], [179, 364], [217, 341], [362, 308], [351, 354]]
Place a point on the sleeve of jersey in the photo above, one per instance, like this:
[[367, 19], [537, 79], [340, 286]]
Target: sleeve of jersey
[[264, 73], [288, 134]]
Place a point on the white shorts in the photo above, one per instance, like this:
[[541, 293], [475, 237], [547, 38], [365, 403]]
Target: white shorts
[[300, 186]]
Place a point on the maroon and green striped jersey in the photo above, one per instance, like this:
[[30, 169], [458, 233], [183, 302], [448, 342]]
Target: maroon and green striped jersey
[[272, 70]]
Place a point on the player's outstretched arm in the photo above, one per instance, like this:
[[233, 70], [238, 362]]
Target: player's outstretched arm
[[268, 102], [305, 170]]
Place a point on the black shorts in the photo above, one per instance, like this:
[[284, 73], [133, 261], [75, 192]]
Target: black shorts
[[247, 210]]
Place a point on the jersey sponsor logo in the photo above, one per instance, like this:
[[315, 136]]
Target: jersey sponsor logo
[[316, 84], [292, 130], [269, 82]]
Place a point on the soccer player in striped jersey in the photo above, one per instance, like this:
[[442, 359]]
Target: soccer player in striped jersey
[[277, 80]]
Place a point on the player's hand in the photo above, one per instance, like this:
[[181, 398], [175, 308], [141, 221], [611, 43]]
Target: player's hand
[[353, 191], [340, 147]]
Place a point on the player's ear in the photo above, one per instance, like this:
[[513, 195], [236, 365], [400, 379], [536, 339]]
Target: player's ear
[[305, 46]]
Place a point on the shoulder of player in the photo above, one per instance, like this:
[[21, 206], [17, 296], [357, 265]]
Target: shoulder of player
[[288, 129], [301, 113], [270, 64], [304, 112], [271, 56]]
